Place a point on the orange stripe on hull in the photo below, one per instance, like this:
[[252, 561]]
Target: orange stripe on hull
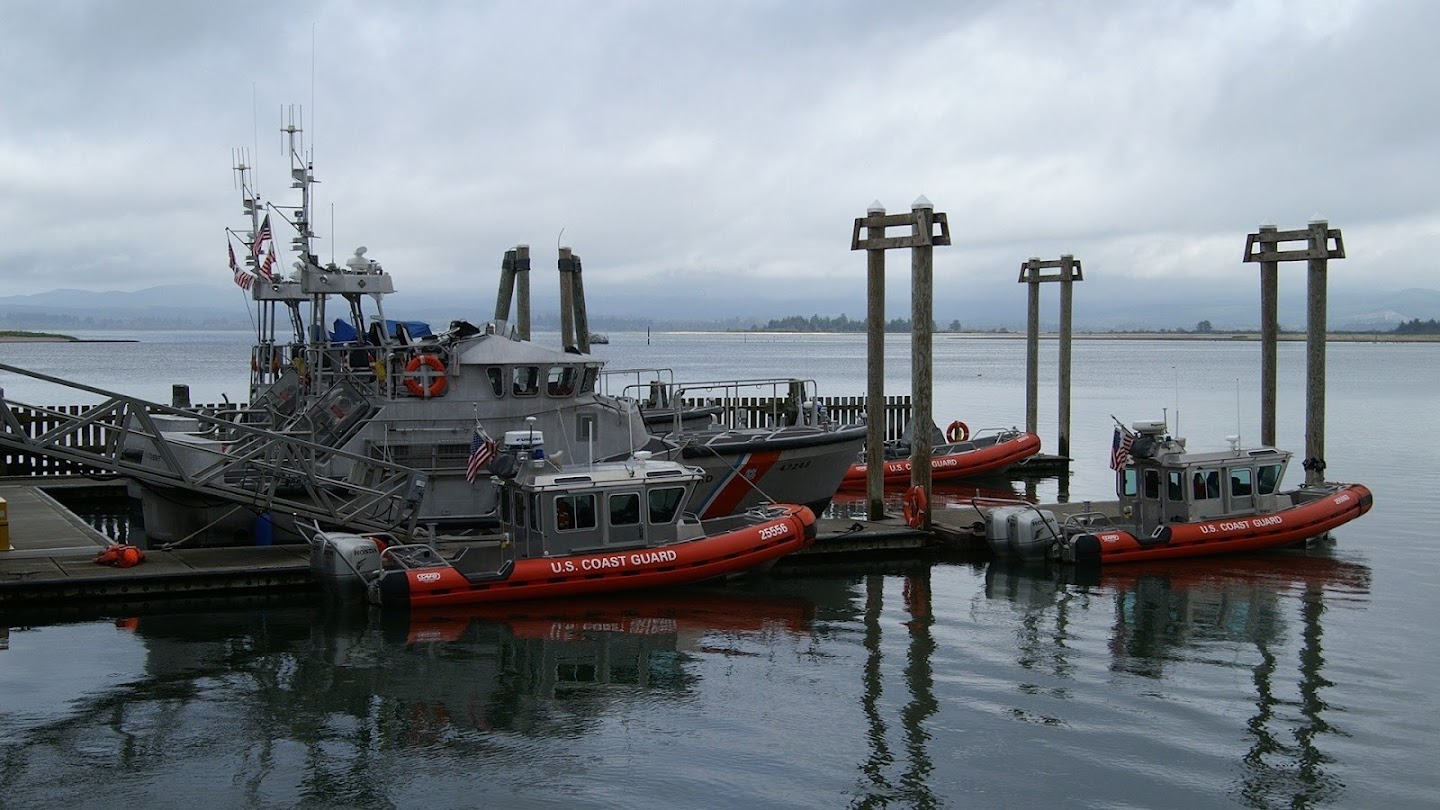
[[575, 575], [1229, 535]]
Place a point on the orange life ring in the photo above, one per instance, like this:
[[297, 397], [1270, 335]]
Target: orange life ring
[[437, 380], [917, 507], [957, 432]]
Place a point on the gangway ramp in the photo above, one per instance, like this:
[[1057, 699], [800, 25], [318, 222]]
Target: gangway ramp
[[227, 457]]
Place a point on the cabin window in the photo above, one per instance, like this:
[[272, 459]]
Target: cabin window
[[1152, 484], [585, 427], [518, 504], [664, 503], [1206, 485], [1175, 486], [625, 509], [561, 381], [1127, 482], [534, 504], [575, 512], [587, 382], [1240, 485], [496, 376], [526, 381], [1269, 479]]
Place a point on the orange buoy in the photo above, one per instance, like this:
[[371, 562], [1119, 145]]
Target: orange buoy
[[917, 507], [957, 432]]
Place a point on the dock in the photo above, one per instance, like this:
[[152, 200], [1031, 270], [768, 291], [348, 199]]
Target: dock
[[51, 562]]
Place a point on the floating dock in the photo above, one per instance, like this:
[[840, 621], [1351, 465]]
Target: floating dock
[[52, 557]]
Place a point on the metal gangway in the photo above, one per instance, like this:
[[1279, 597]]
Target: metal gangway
[[264, 462]]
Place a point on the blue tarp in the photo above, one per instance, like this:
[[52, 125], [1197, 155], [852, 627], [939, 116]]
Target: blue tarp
[[344, 332]]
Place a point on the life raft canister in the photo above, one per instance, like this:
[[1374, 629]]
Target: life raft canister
[[957, 432], [437, 379], [917, 507]]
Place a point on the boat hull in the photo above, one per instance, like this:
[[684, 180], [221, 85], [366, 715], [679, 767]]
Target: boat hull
[[1227, 535], [949, 462], [802, 466], [572, 575]]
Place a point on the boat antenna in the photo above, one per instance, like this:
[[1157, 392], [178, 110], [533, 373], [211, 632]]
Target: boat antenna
[[1237, 407], [1176, 369], [558, 237]]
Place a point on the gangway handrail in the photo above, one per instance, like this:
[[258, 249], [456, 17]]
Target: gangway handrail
[[257, 469]]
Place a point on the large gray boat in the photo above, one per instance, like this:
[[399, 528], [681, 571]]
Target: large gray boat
[[330, 369]]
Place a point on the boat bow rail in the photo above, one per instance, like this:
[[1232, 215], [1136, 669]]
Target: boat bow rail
[[219, 458]]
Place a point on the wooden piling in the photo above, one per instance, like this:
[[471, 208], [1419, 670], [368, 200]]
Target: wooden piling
[[1067, 287], [1030, 273], [1070, 271], [1263, 248], [522, 290], [1269, 333], [582, 318], [875, 367], [506, 288], [922, 320], [1315, 334], [567, 299], [922, 220]]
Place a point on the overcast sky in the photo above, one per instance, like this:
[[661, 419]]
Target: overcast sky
[[723, 148]]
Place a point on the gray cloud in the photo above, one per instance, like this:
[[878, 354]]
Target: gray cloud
[[722, 147]]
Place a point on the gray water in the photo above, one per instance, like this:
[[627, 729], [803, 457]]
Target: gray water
[[1291, 679]]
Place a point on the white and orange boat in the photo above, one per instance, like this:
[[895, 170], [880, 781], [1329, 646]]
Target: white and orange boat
[[954, 455], [1175, 504], [571, 532]]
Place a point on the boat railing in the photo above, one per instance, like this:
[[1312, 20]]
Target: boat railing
[[1086, 521], [749, 403]]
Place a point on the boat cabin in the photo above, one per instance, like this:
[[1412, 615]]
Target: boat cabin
[[618, 505], [1162, 484]]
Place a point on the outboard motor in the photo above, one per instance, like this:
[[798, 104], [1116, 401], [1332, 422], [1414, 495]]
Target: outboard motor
[[342, 561], [1021, 531]]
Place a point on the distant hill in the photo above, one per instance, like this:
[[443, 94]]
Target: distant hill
[[619, 306]]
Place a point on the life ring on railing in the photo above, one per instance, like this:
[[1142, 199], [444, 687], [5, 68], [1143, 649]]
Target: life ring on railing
[[957, 432], [437, 379], [917, 507]]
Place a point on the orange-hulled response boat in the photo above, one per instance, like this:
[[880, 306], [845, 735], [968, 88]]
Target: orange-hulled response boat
[[567, 532], [1178, 504], [954, 454]]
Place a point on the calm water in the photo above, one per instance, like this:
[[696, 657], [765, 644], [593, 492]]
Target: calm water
[[1298, 680]]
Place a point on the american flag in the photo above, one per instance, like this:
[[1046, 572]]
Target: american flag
[[482, 449], [234, 265], [265, 266], [243, 279], [1120, 447], [261, 237]]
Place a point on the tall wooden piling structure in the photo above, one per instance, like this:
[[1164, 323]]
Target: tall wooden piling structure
[[1322, 243], [1068, 272], [922, 221], [515, 284]]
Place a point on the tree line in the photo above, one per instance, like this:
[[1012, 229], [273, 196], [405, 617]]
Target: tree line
[[843, 323]]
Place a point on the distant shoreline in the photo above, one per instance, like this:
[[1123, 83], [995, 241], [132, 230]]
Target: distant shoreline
[[45, 337], [1333, 337]]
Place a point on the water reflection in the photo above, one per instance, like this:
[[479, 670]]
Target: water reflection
[[335, 696], [1168, 616]]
